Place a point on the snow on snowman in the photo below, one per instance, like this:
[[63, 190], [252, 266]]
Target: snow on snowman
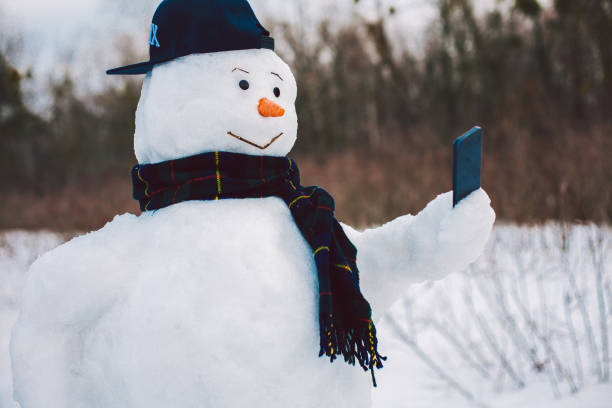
[[235, 276]]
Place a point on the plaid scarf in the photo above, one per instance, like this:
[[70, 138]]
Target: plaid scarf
[[345, 321]]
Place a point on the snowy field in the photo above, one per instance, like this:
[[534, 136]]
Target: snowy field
[[528, 325]]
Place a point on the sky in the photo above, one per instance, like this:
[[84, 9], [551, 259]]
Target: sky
[[59, 32], [80, 36]]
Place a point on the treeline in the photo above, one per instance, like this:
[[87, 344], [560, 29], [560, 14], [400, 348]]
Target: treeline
[[80, 138], [539, 80]]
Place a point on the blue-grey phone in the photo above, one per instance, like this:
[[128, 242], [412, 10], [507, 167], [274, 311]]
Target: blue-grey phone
[[467, 164]]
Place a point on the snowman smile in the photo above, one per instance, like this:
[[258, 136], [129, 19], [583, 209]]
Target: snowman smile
[[274, 139]]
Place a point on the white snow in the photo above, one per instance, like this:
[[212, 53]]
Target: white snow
[[504, 323], [406, 378]]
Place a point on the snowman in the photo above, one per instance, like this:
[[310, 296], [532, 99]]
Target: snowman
[[236, 286]]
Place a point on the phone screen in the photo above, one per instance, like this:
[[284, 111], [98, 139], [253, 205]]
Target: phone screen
[[467, 164]]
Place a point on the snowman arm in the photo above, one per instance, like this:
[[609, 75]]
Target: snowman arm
[[410, 249], [385, 258]]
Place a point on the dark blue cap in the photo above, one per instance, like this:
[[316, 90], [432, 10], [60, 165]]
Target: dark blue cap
[[184, 27]]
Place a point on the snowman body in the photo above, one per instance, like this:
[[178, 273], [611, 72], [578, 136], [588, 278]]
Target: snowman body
[[220, 309], [215, 303]]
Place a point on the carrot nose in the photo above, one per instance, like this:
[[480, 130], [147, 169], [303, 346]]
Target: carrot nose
[[269, 109]]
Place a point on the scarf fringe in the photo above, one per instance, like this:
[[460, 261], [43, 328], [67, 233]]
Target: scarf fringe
[[354, 344]]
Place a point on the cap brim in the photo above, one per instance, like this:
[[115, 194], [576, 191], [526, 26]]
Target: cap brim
[[134, 69], [144, 67]]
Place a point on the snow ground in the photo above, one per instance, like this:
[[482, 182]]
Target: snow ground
[[521, 327]]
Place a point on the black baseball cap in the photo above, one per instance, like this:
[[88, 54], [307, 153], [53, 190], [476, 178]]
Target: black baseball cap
[[184, 27]]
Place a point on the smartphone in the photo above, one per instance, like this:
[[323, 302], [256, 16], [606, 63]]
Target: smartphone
[[467, 164]]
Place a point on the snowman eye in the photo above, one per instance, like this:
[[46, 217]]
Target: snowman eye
[[276, 92], [244, 84]]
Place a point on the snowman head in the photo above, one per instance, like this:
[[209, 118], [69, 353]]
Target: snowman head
[[213, 83], [240, 101]]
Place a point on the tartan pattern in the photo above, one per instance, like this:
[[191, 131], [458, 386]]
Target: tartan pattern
[[345, 321]]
